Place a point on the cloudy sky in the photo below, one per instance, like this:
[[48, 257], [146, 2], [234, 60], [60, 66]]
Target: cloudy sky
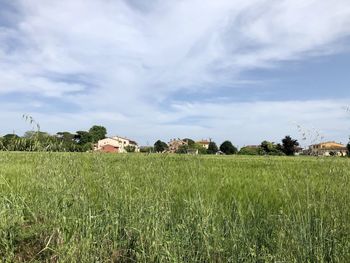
[[148, 69]]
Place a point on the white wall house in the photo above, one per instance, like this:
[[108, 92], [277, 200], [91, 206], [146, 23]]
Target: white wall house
[[117, 142]]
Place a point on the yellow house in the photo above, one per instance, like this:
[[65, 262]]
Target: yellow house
[[328, 149], [204, 143]]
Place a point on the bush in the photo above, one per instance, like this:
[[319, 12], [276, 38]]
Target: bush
[[130, 148], [248, 150], [227, 148]]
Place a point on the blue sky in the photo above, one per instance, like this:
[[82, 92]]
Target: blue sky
[[239, 70]]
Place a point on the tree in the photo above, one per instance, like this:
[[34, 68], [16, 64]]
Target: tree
[[8, 137], [35, 134], [160, 146], [83, 137], [212, 148], [348, 146], [227, 148], [189, 142], [97, 133], [65, 136], [250, 150], [289, 146], [270, 148]]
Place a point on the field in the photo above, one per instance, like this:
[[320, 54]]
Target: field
[[64, 207]]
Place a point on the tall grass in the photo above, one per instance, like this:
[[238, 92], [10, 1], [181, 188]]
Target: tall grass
[[74, 207]]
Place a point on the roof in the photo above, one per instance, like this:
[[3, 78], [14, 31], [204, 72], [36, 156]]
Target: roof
[[123, 138], [330, 142], [331, 145]]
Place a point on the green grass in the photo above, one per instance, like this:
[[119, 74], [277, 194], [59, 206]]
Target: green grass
[[63, 207]]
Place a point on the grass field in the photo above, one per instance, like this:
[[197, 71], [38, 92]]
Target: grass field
[[59, 207]]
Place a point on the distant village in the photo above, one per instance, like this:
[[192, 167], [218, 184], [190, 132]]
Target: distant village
[[95, 140], [118, 144]]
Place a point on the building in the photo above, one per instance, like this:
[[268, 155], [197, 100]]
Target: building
[[116, 144], [204, 143], [109, 149], [175, 144], [327, 149]]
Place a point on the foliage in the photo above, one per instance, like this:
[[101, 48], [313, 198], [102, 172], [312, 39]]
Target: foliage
[[227, 148], [189, 142], [173, 208], [65, 136], [130, 148], [250, 150], [289, 145], [270, 148], [87, 147], [200, 148], [348, 147], [9, 137], [160, 146], [146, 149], [43, 141], [183, 149], [83, 137], [97, 133], [213, 148], [36, 134], [192, 147]]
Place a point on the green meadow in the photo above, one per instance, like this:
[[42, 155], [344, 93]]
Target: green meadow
[[84, 207]]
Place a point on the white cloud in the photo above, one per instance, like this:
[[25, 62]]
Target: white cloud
[[136, 55]]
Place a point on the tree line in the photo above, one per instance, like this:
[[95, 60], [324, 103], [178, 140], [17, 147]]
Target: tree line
[[80, 141], [288, 146], [83, 141]]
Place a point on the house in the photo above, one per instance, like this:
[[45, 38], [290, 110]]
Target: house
[[175, 144], [204, 143], [116, 144], [109, 149], [327, 149]]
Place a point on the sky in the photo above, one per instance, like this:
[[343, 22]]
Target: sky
[[244, 71]]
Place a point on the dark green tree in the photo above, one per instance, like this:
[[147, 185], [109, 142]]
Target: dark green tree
[[348, 146], [160, 146], [289, 145], [97, 133], [227, 148], [212, 148], [83, 137], [189, 142]]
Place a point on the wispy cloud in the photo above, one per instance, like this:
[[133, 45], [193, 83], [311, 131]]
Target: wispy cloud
[[126, 58]]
